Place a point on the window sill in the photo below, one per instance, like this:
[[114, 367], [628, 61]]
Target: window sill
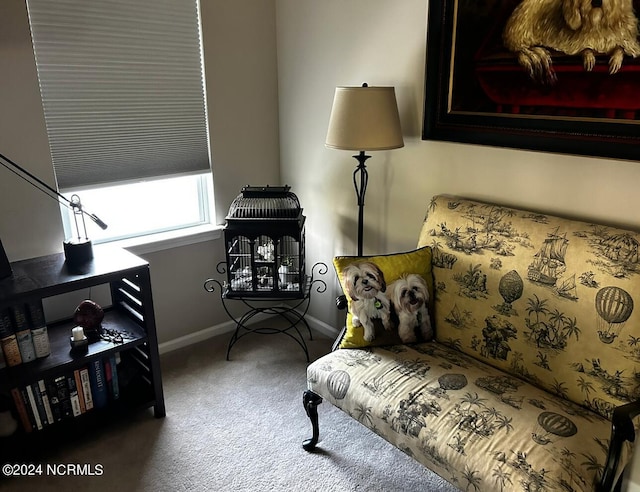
[[172, 239]]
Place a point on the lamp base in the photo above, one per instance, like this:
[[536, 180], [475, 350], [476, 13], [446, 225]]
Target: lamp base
[[78, 252]]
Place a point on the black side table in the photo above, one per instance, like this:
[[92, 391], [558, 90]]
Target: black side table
[[292, 313]]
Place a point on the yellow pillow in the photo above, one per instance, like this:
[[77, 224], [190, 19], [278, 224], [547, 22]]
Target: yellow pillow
[[385, 297]]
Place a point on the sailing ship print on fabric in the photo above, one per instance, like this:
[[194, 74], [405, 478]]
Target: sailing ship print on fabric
[[538, 287], [549, 264]]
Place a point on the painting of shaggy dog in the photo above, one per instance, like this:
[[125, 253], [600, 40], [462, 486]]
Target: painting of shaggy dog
[[572, 27]]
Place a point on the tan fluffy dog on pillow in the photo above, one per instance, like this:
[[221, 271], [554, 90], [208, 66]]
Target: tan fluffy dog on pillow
[[410, 297], [365, 285]]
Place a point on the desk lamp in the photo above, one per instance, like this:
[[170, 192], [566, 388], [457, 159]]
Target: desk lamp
[[77, 250]]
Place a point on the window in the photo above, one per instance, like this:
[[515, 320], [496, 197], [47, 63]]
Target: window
[[147, 207], [122, 86]]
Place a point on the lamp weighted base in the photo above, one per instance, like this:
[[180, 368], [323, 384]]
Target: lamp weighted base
[[78, 252]]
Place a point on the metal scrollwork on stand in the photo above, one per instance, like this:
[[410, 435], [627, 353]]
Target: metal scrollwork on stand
[[293, 313]]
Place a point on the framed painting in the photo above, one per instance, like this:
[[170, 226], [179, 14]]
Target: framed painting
[[533, 74]]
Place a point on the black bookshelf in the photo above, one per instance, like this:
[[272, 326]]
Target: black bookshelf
[[131, 314]]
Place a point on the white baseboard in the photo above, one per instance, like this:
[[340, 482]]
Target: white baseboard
[[198, 336], [321, 327], [229, 326]]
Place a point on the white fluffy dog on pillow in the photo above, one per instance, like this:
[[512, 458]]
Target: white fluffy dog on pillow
[[365, 285], [409, 296]]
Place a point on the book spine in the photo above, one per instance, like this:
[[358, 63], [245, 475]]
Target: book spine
[[21, 409], [11, 351], [73, 395], [22, 332], [86, 388], [6, 325], [98, 384], [76, 375], [39, 404], [115, 384], [107, 376], [42, 387], [63, 396], [40, 337], [25, 344], [39, 333], [19, 315], [10, 348], [56, 410], [34, 407], [27, 406]]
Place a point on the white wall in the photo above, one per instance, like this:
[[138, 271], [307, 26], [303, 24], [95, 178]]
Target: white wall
[[323, 44], [240, 57], [242, 91], [30, 223], [333, 42]]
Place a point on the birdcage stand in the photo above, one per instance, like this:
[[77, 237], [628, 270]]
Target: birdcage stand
[[292, 313]]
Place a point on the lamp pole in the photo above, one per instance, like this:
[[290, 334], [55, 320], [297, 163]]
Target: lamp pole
[[361, 173]]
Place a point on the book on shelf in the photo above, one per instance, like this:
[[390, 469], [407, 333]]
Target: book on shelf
[[22, 332], [34, 408], [99, 390], [47, 401], [54, 402], [37, 395], [76, 376], [28, 407], [42, 387], [25, 345], [8, 340], [19, 317], [73, 396], [39, 331], [86, 388], [64, 399], [111, 375], [21, 409]]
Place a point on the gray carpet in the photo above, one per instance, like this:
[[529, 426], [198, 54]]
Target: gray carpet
[[236, 426]]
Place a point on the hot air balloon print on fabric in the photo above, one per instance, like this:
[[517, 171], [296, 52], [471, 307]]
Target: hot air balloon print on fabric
[[552, 426], [614, 306], [510, 288]]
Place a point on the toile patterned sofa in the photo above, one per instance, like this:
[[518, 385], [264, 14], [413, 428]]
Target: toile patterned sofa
[[533, 378]]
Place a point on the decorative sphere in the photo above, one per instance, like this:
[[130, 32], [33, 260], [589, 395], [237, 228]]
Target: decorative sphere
[[89, 315]]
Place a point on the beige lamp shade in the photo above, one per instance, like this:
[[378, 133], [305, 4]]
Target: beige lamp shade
[[364, 118]]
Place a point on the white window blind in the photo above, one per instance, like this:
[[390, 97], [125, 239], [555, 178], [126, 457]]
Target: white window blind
[[122, 88]]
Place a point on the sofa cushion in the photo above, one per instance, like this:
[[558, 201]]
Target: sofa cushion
[[472, 424], [380, 274], [547, 299]]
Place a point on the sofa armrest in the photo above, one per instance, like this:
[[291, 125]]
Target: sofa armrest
[[622, 429]]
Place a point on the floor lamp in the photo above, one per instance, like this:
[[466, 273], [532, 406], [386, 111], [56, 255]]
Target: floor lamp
[[364, 119]]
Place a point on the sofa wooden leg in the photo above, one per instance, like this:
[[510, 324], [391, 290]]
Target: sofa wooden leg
[[310, 400]]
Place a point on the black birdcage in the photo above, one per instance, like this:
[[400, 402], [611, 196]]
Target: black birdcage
[[264, 237]]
